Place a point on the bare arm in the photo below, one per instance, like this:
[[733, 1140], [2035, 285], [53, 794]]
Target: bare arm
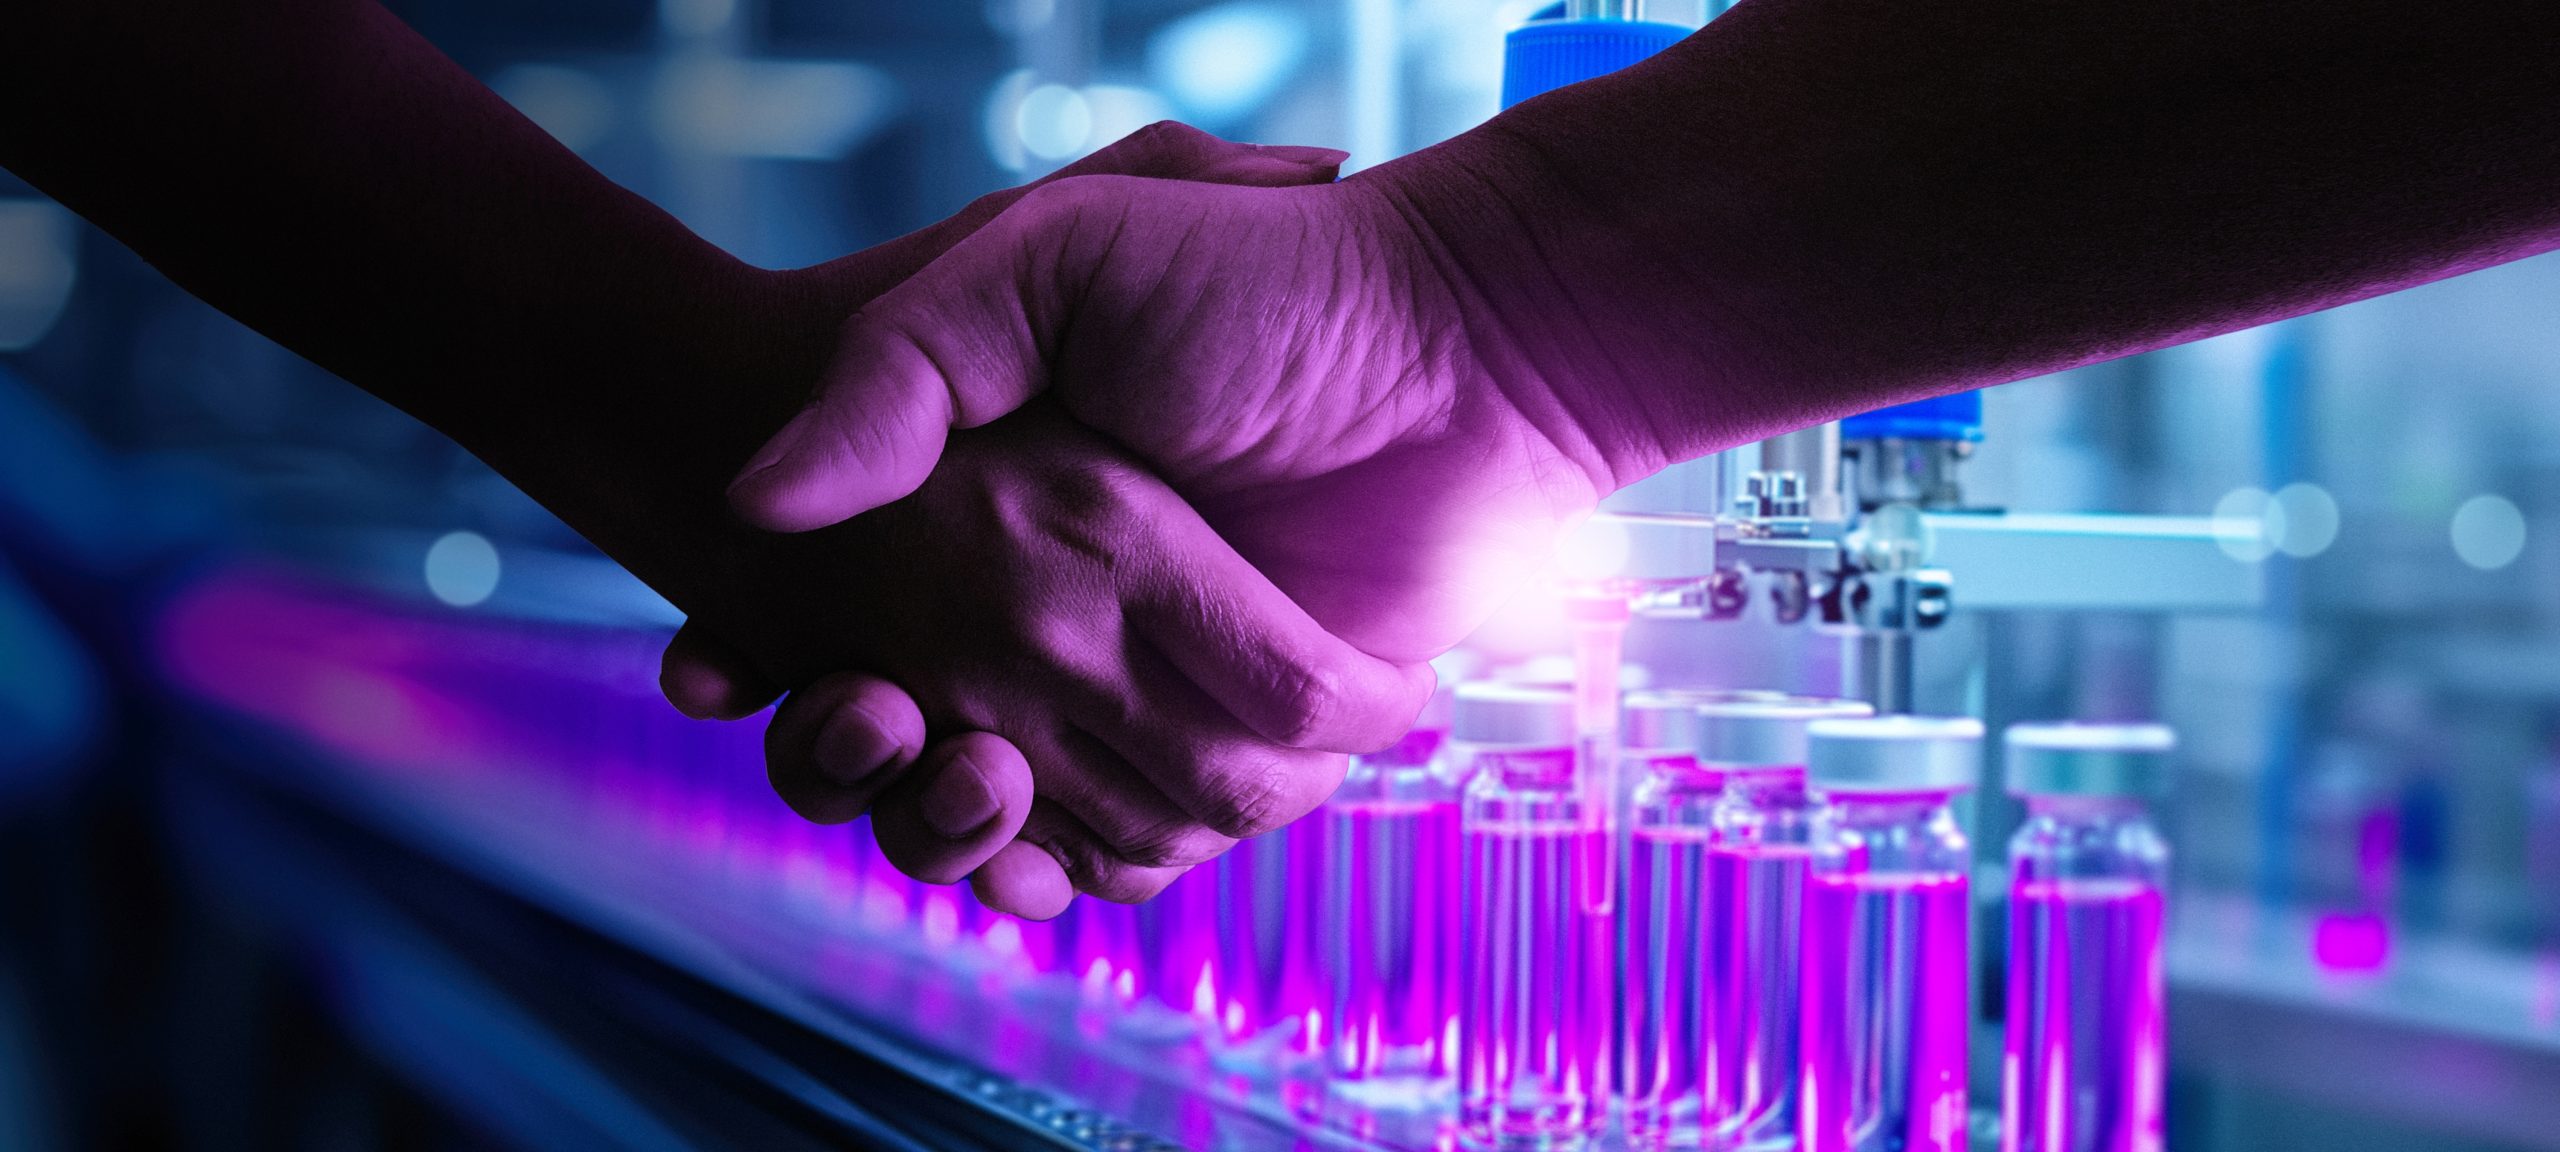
[[1817, 207], [1392, 392], [321, 173]]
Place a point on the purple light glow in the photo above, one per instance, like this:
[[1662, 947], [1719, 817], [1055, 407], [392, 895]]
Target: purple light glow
[[2351, 943], [2083, 1069], [1884, 1010]]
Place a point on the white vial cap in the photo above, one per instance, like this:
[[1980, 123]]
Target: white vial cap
[[1771, 731], [1524, 715], [1894, 754], [2089, 759]]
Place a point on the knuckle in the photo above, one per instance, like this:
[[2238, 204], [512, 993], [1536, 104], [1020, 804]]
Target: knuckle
[[1146, 149], [1168, 843], [1092, 509], [1258, 792], [1312, 703]]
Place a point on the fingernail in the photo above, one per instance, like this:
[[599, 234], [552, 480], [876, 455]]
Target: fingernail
[[958, 802], [774, 452], [853, 744]]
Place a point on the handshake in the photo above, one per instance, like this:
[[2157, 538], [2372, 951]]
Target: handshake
[[1160, 482]]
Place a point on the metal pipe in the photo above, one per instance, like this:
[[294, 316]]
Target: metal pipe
[[1878, 669], [1813, 454]]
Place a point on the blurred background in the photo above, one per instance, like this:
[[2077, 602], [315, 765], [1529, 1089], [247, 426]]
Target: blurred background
[[240, 601]]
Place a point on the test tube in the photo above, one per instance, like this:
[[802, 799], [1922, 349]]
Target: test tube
[[1537, 942], [1757, 858], [1883, 1005], [1391, 832], [2083, 1067]]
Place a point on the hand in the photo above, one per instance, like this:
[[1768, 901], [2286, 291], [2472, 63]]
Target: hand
[[1309, 366], [1147, 639]]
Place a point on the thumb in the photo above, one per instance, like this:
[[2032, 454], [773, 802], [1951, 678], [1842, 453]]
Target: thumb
[[958, 344]]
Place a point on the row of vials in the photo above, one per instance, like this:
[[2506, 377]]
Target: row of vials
[[1748, 931], [1782, 954]]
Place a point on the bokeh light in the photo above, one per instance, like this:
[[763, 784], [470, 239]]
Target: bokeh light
[[1223, 62], [462, 569], [2306, 523], [1054, 122], [2247, 523], [2488, 532]]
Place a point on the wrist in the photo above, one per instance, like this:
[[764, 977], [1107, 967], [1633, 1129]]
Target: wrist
[[1571, 301]]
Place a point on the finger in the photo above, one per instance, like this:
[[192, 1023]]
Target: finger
[[1164, 150], [1088, 863], [1230, 780], [965, 800], [836, 745], [1253, 650], [708, 680], [1172, 150], [957, 345], [1024, 880], [1128, 816]]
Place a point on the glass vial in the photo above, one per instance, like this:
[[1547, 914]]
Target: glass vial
[[1391, 832], [1666, 916], [1744, 1058], [1536, 944], [1884, 984], [2083, 1069]]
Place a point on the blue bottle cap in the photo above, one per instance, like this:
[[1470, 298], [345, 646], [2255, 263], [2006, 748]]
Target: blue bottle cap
[[1544, 55], [1957, 416]]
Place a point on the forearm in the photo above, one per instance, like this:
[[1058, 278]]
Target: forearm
[[1816, 207], [323, 174]]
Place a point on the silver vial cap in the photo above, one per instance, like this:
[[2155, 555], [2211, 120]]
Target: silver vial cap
[[1656, 721], [1659, 718], [1521, 715], [1766, 731], [1894, 754], [2089, 759]]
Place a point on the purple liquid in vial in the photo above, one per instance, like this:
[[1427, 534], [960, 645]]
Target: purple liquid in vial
[[1673, 916], [1884, 1011], [1251, 910], [1538, 955], [1100, 948], [2087, 1032], [1753, 963], [1395, 1009], [1306, 972], [1178, 946]]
